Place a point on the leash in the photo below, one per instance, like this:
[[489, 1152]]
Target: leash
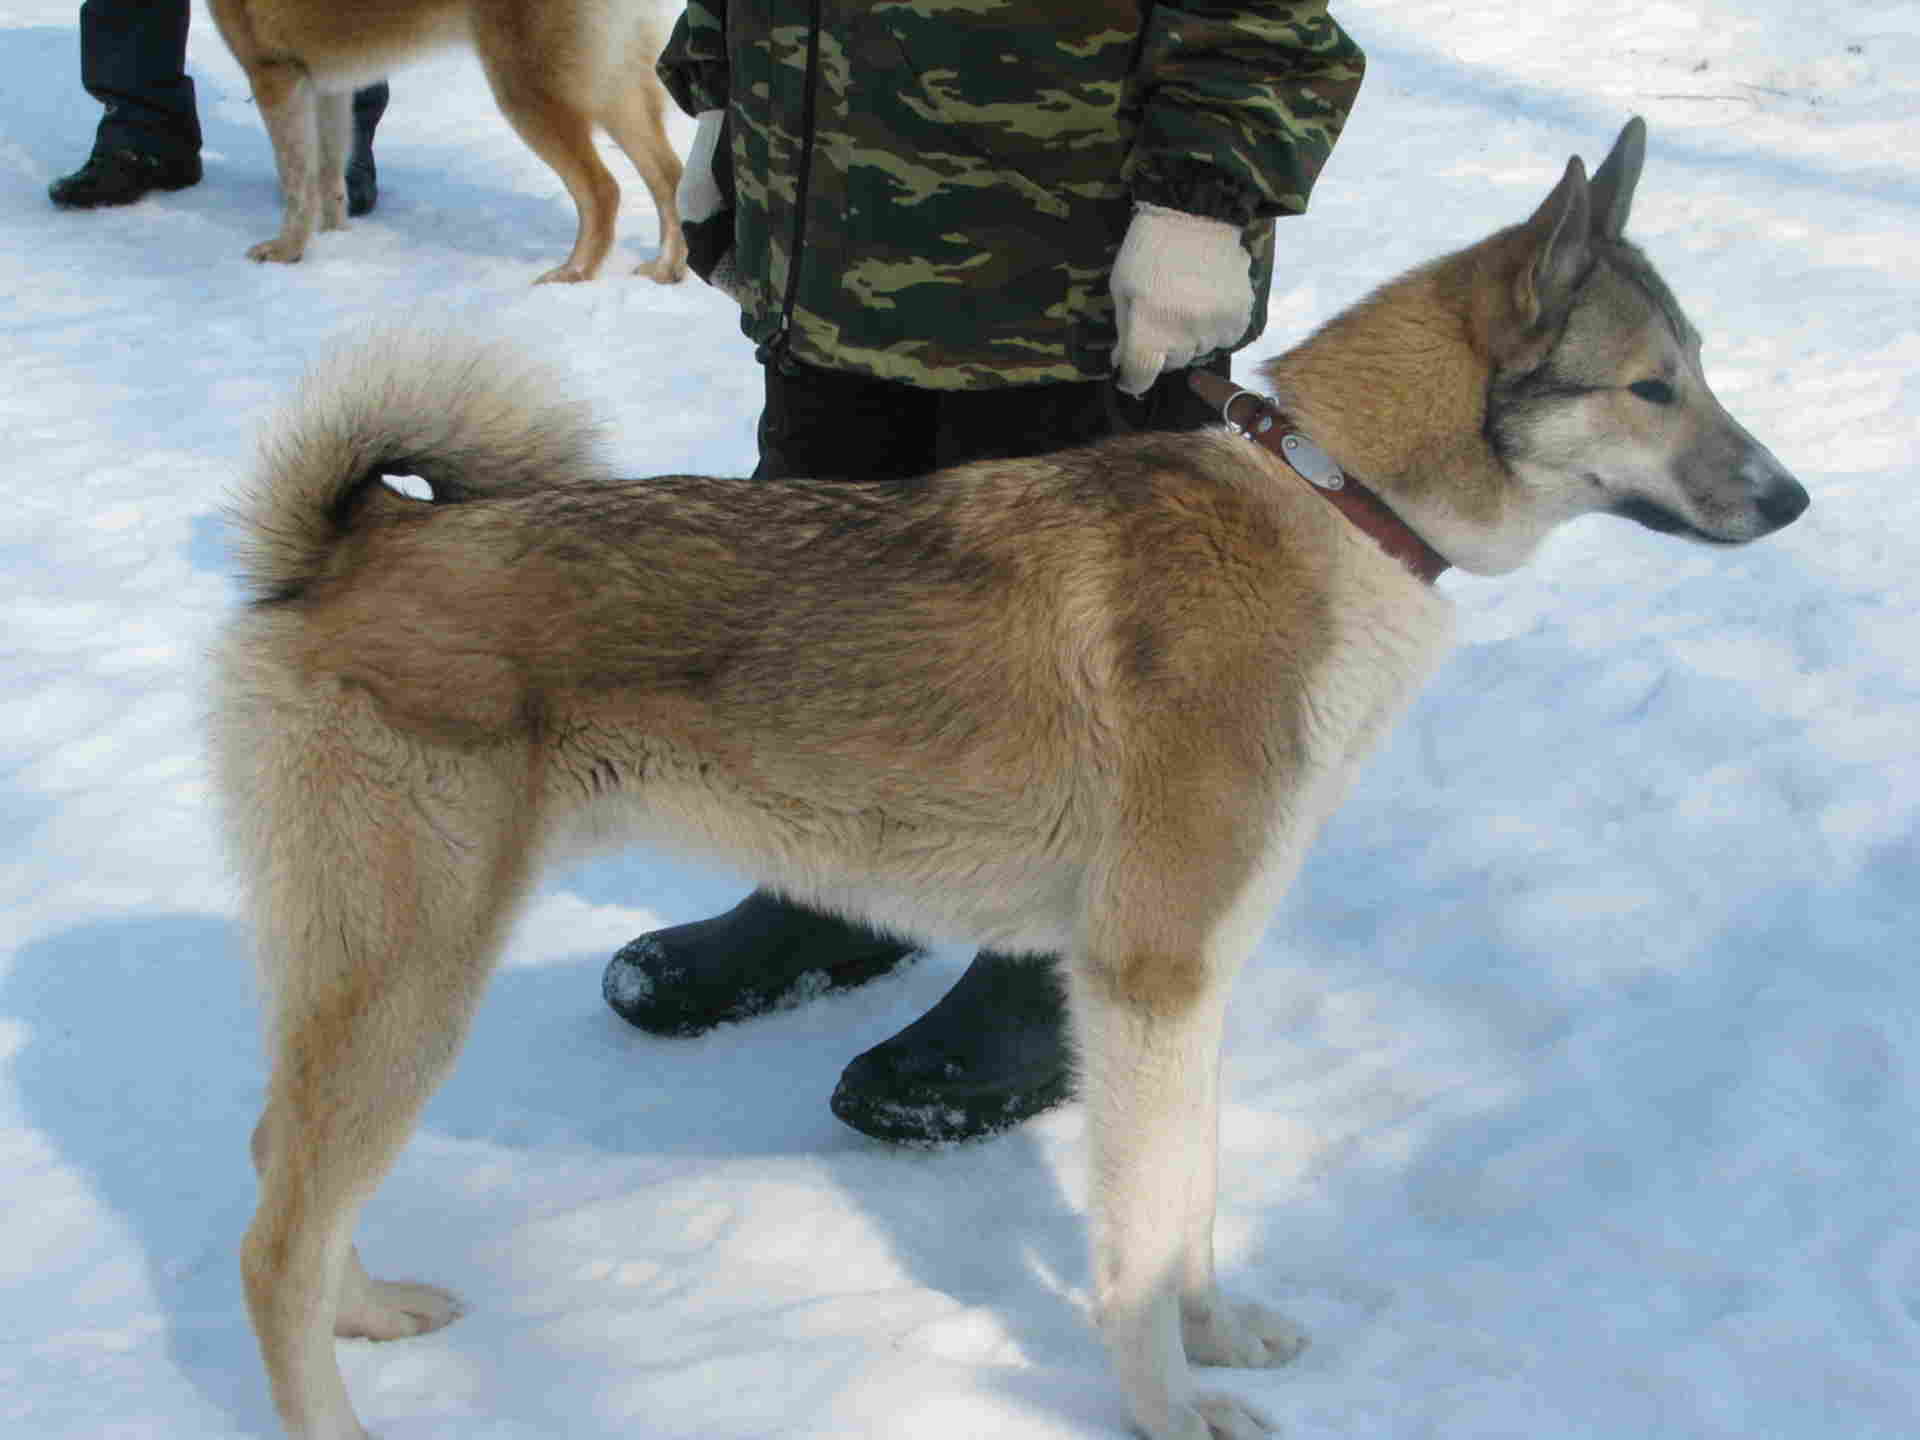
[[1267, 426]]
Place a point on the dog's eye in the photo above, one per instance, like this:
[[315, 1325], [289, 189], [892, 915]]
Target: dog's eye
[[411, 486], [1654, 392]]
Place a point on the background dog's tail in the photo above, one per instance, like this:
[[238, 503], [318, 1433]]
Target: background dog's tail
[[470, 418]]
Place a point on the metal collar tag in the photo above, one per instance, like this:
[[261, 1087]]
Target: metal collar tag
[[1310, 462]]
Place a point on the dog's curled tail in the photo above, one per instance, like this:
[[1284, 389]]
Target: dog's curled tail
[[471, 418]]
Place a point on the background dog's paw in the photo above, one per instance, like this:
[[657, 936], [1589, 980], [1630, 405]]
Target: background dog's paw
[[663, 270], [1227, 1417], [1240, 1333], [279, 250], [392, 1310]]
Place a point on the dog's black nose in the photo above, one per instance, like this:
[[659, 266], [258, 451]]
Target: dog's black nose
[[1783, 501]]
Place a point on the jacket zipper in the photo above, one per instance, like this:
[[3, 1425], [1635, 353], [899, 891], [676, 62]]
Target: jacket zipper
[[773, 350]]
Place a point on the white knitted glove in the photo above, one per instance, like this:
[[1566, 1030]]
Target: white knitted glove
[[1180, 290], [698, 198]]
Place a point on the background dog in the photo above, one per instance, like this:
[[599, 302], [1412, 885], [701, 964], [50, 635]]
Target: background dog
[[1094, 704], [559, 69]]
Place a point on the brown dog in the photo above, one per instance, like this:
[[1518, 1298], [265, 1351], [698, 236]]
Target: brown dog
[[559, 69], [1092, 705]]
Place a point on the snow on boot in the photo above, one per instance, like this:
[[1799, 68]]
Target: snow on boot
[[990, 1055], [766, 953]]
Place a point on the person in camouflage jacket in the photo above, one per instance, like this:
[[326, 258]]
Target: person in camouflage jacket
[[961, 231], [937, 195]]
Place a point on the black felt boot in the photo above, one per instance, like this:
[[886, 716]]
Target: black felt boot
[[763, 954], [991, 1054], [120, 177]]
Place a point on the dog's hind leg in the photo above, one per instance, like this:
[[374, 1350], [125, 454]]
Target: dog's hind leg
[[383, 878], [287, 102], [334, 116], [636, 118], [560, 132], [371, 1309]]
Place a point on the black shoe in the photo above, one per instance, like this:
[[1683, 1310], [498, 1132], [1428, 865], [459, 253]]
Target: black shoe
[[763, 954], [363, 186], [990, 1055], [120, 177]]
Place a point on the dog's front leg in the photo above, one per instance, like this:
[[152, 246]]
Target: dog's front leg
[[1147, 1078], [289, 107], [1219, 1330]]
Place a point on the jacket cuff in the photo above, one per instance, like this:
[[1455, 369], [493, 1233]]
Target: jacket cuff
[[1196, 188]]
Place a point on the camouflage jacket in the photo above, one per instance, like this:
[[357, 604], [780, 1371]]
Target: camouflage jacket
[[935, 193]]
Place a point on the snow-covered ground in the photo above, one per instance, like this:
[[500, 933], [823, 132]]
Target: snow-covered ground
[[1575, 1092]]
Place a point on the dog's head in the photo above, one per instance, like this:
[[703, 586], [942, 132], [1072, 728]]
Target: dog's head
[[1597, 400], [1545, 373]]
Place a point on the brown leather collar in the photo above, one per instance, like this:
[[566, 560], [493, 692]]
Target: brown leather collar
[[1262, 422]]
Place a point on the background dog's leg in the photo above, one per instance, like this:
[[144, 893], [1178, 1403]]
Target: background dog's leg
[[285, 96], [334, 115], [560, 133], [636, 118]]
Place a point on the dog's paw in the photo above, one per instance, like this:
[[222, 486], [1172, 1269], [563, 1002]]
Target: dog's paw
[[1240, 1333], [663, 270], [279, 250], [1229, 1418], [391, 1310], [568, 274]]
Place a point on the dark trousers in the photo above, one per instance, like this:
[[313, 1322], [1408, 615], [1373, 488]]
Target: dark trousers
[[829, 425], [133, 60]]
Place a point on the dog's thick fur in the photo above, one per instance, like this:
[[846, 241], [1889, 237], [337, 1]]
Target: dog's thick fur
[[1091, 705], [558, 68]]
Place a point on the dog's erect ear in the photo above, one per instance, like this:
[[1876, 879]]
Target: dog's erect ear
[[1559, 249], [1614, 182]]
